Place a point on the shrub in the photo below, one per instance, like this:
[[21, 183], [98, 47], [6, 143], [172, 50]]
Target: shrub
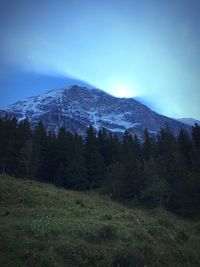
[[106, 232], [128, 258], [107, 217], [182, 235], [80, 203], [166, 223]]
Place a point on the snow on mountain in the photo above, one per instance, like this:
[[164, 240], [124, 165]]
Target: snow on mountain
[[76, 107]]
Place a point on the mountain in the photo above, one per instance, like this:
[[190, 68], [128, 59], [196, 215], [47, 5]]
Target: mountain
[[16, 88], [189, 121], [76, 107]]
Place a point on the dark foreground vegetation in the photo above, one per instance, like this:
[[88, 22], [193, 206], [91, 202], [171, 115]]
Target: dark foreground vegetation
[[44, 226], [164, 172]]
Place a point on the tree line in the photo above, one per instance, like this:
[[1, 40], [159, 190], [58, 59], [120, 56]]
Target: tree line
[[164, 171]]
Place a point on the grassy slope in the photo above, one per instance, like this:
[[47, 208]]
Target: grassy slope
[[41, 225]]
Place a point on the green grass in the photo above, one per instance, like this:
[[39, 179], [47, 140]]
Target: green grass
[[44, 226]]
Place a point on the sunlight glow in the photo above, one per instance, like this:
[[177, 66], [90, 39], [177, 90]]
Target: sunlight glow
[[122, 90]]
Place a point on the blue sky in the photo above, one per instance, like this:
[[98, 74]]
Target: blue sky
[[148, 49]]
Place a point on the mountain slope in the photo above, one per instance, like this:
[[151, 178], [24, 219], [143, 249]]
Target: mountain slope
[[189, 121], [41, 225], [75, 107]]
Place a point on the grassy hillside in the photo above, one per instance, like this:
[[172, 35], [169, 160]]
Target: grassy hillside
[[44, 226]]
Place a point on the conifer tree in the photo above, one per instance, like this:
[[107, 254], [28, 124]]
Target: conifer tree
[[25, 166], [94, 161], [131, 180], [116, 176], [114, 149], [147, 147], [23, 132], [196, 135], [39, 152], [77, 169], [9, 146], [64, 148], [156, 189], [103, 144], [167, 152], [24, 148], [51, 157], [185, 149], [196, 144]]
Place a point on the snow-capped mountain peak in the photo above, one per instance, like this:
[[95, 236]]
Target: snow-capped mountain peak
[[75, 107]]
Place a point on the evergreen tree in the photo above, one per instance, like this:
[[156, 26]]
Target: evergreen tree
[[65, 153], [94, 161], [156, 189], [148, 145], [77, 170], [39, 152], [131, 182], [185, 149], [25, 166], [9, 146], [196, 135], [116, 174], [24, 133], [196, 144], [114, 148], [166, 153], [103, 144], [24, 148], [61, 175], [137, 150], [51, 157]]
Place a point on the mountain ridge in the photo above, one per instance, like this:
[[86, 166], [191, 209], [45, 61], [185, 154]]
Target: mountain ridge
[[189, 121], [76, 107]]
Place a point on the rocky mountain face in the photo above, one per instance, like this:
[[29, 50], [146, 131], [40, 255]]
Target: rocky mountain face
[[76, 107]]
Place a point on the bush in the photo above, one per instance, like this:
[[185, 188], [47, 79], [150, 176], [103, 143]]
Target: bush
[[182, 235], [107, 217], [80, 203], [166, 223], [128, 258], [106, 232]]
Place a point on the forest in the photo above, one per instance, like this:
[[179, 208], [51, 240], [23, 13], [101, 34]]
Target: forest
[[162, 171]]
